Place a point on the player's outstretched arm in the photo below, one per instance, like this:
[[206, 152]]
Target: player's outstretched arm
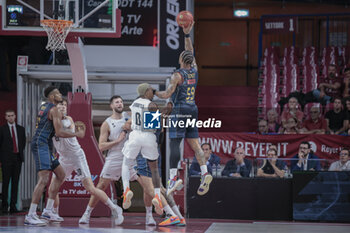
[[188, 43], [174, 81], [57, 124], [103, 143]]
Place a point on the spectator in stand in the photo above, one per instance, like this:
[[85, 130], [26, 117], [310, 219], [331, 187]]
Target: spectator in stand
[[292, 111], [305, 160], [210, 158], [330, 88], [290, 127], [262, 127], [347, 109], [272, 167], [346, 84], [272, 121], [238, 167], [344, 163], [316, 124], [337, 122]]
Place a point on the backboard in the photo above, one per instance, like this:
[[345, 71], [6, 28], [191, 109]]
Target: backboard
[[91, 18]]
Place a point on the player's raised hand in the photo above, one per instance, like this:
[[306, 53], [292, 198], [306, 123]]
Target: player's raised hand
[[189, 28]]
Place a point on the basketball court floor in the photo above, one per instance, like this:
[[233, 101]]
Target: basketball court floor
[[134, 223]]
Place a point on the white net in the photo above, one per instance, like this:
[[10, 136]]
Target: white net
[[57, 31]]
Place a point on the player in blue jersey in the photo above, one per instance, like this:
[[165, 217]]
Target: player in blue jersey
[[182, 90], [47, 125]]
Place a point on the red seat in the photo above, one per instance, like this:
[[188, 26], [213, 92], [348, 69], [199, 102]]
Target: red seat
[[310, 78], [310, 56]]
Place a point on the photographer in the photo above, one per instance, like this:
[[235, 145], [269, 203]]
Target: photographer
[[305, 160]]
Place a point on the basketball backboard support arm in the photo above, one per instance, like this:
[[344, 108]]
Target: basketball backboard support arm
[[78, 66]]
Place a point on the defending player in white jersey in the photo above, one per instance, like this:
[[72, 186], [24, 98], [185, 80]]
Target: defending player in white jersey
[[72, 157], [112, 138], [144, 142]]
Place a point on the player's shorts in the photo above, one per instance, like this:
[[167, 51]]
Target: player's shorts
[[185, 113], [75, 162], [144, 142], [142, 166], [43, 156], [112, 169]]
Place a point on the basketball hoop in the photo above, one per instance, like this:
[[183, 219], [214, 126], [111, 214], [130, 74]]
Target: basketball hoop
[[57, 31]]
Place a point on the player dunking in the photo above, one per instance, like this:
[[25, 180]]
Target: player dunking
[[72, 158], [144, 142], [112, 138], [48, 124], [182, 89]]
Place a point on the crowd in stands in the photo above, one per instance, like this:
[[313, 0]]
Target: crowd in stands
[[272, 166], [319, 106]]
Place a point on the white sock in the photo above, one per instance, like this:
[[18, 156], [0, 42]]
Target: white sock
[[177, 211], [49, 204], [32, 208], [125, 175], [173, 173], [168, 210], [157, 191], [110, 204], [89, 209], [204, 169], [148, 210]]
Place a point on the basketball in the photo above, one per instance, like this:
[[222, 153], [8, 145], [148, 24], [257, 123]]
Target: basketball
[[184, 19]]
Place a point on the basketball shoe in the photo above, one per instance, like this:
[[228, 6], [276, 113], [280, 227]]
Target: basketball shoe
[[51, 216], [128, 194], [182, 222], [174, 184], [118, 214], [172, 220], [205, 182], [85, 219], [33, 220], [158, 207]]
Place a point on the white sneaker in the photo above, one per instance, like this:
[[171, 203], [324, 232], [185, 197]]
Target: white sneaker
[[118, 214], [58, 217], [33, 220], [85, 219], [51, 216], [150, 220]]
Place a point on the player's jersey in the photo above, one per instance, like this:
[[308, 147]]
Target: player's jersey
[[115, 128], [66, 146], [185, 92], [44, 126], [137, 108]]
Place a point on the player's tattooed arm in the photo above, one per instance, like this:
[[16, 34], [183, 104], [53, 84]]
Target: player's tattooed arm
[[174, 81], [188, 43], [103, 143], [56, 117]]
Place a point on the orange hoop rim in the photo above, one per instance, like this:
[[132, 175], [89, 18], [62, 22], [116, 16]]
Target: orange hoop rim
[[56, 22]]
